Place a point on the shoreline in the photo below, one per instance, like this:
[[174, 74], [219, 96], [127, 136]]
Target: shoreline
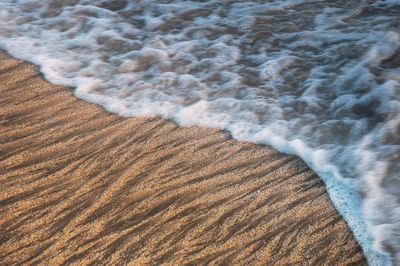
[[80, 185]]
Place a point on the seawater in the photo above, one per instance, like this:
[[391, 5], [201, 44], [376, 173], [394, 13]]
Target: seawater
[[319, 79]]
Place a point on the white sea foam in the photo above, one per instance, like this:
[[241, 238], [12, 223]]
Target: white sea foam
[[319, 79]]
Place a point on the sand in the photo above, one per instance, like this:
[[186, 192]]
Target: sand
[[81, 186]]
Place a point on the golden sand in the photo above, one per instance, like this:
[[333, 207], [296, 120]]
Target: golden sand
[[81, 186]]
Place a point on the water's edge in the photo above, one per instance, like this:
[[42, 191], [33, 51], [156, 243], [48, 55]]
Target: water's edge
[[316, 79], [339, 193]]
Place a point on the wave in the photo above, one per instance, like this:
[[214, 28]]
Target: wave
[[319, 79]]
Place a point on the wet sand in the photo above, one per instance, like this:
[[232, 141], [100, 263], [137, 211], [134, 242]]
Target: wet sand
[[81, 186]]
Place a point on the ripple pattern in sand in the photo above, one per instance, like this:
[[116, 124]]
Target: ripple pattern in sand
[[80, 186]]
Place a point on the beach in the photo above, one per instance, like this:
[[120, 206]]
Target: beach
[[82, 186]]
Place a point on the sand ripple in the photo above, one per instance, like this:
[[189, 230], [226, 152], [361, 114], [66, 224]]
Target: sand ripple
[[81, 186]]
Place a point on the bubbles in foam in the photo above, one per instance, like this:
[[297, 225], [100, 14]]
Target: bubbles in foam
[[316, 79]]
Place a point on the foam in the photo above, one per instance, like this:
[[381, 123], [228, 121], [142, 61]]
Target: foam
[[319, 80]]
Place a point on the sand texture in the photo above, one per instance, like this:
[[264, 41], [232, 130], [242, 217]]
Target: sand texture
[[81, 186]]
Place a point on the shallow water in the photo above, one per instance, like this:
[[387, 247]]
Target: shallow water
[[320, 79]]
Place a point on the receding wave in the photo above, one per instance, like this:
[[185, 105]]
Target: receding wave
[[319, 79]]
